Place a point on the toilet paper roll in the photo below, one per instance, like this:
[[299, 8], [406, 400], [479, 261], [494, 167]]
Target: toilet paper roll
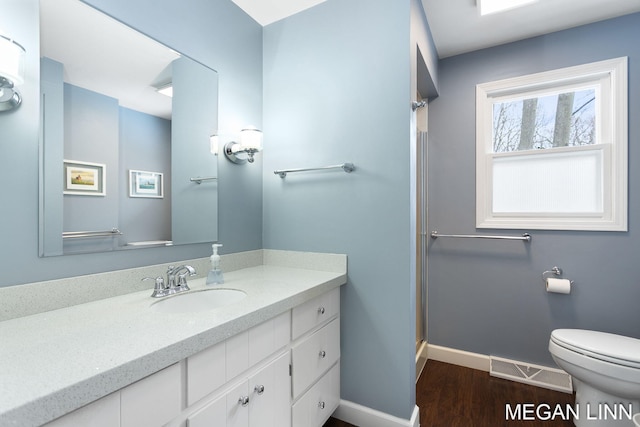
[[559, 286]]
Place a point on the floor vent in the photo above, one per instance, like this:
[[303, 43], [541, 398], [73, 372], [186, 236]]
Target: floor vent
[[541, 376]]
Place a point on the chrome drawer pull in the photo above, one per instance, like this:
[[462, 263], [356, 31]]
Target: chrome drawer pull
[[259, 389], [322, 354], [244, 400], [321, 310], [321, 405]]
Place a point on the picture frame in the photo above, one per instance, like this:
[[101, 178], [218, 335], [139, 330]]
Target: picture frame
[[84, 178], [146, 184]]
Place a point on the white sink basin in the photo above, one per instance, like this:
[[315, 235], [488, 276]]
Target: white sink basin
[[196, 301]]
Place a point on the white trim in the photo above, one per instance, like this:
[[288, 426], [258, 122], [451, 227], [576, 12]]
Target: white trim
[[421, 359], [359, 415], [458, 357]]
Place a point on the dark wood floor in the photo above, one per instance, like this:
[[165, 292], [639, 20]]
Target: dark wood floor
[[454, 396]]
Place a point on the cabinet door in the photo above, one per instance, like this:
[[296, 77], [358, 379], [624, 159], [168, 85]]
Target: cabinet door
[[270, 395], [238, 401], [214, 414]]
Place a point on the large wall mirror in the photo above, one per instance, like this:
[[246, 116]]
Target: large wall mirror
[[126, 159]]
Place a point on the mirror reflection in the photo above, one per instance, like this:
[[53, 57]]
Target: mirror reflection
[[125, 128]]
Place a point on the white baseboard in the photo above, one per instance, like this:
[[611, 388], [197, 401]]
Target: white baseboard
[[359, 415], [458, 357]]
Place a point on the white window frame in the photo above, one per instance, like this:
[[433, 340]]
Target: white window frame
[[610, 77]]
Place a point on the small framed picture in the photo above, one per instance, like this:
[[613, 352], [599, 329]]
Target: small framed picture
[[146, 184], [84, 178]]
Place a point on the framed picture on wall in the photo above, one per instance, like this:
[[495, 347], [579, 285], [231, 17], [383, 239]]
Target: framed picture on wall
[[146, 184], [84, 178]]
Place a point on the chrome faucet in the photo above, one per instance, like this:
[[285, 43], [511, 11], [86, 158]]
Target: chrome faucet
[[176, 281], [179, 285]]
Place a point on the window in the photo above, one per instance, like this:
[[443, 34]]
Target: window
[[551, 150]]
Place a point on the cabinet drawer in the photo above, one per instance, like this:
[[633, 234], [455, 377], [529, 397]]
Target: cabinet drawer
[[152, 401], [314, 356], [316, 406], [206, 371], [312, 313], [268, 337], [104, 412]]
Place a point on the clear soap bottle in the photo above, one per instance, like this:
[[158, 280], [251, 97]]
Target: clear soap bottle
[[215, 276]]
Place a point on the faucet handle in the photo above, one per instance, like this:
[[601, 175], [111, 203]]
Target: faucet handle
[[182, 278], [159, 289], [182, 283]]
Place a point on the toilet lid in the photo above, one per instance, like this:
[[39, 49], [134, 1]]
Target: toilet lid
[[600, 345]]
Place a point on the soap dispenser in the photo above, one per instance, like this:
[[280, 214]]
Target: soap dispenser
[[215, 276]]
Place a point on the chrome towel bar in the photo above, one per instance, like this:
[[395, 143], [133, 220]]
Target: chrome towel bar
[[199, 180], [526, 236], [81, 234], [347, 167]]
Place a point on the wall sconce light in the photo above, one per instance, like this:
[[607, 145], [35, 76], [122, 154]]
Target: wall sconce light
[[11, 73], [250, 143]]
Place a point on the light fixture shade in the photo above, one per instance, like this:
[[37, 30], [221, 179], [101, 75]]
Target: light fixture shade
[[12, 57], [251, 139]]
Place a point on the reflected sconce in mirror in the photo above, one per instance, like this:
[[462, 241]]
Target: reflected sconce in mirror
[[214, 142], [12, 56], [243, 151]]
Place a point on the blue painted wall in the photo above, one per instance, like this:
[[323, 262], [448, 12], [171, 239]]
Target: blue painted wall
[[488, 296], [211, 32], [337, 89], [92, 129], [145, 144]]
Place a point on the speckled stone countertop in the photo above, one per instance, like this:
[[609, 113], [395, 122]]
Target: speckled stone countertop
[[54, 362]]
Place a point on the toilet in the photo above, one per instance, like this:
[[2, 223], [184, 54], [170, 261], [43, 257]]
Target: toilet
[[606, 375]]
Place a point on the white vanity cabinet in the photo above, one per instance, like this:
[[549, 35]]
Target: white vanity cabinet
[[284, 372]]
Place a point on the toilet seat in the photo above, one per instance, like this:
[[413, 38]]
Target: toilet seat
[[611, 348]]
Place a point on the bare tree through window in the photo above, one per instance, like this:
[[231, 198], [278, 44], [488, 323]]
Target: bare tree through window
[[558, 120]]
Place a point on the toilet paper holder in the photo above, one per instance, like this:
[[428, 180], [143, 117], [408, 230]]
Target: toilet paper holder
[[556, 271]]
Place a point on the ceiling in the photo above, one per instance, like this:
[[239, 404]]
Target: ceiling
[[457, 27], [455, 24]]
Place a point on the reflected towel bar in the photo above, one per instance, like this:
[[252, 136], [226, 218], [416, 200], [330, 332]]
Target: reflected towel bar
[[81, 234], [199, 180], [526, 236], [347, 167]]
